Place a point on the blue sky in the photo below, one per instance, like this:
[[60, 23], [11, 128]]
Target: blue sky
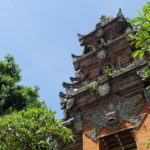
[[42, 34]]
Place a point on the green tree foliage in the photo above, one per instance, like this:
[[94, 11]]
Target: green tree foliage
[[32, 129], [142, 40], [25, 122], [12, 95], [142, 37]]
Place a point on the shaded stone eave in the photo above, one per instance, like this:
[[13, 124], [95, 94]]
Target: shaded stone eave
[[96, 51], [83, 89]]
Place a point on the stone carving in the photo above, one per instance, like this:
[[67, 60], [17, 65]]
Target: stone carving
[[75, 58], [63, 100], [74, 80], [102, 79], [71, 91], [112, 111], [76, 85], [71, 88], [140, 73], [100, 32], [104, 89], [81, 38], [131, 66], [98, 26], [76, 65], [139, 61], [101, 54], [120, 16], [70, 103], [105, 20], [80, 75], [128, 30]]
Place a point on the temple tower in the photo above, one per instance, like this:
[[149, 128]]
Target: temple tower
[[106, 104]]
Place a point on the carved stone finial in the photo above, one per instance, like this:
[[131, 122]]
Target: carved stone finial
[[119, 13], [120, 16]]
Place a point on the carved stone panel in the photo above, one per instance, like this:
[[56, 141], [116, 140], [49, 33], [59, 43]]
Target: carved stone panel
[[112, 111], [70, 103], [104, 89], [101, 54], [100, 32]]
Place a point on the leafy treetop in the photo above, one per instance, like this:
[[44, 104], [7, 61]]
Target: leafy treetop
[[32, 129], [12, 95], [141, 40]]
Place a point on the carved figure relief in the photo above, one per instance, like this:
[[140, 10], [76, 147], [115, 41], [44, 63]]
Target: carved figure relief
[[65, 102], [101, 54], [70, 103], [100, 32], [80, 75], [112, 111], [104, 89]]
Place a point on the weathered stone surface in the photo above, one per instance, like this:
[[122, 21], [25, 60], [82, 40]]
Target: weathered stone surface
[[101, 54], [104, 89], [105, 111], [70, 103], [112, 111]]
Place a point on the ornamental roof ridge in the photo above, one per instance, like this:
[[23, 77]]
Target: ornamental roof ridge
[[104, 21], [125, 35]]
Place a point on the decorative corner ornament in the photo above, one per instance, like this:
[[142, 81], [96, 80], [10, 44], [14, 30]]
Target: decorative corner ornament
[[70, 103], [112, 111], [101, 54], [120, 16], [104, 89], [100, 32], [81, 38]]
